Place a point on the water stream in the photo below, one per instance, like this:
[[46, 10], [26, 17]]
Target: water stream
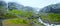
[[46, 24]]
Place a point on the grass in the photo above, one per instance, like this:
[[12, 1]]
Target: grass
[[37, 23], [52, 17], [20, 22], [16, 22]]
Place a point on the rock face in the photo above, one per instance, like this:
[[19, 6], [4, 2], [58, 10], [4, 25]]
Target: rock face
[[51, 14], [2, 3], [13, 5], [55, 8]]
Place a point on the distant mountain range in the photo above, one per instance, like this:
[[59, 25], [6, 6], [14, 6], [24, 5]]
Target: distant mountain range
[[14, 5]]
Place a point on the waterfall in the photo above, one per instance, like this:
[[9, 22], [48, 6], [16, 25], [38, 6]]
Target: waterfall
[[46, 24]]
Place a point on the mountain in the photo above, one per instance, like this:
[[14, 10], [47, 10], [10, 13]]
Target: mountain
[[55, 8], [13, 5], [2, 3], [51, 14]]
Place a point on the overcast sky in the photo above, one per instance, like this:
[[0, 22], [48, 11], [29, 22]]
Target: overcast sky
[[35, 3]]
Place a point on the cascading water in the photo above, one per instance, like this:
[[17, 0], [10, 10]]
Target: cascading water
[[46, 24]]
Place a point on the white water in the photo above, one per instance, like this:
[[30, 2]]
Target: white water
[[46, 24]]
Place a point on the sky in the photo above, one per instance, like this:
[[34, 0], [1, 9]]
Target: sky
[[35, 3]]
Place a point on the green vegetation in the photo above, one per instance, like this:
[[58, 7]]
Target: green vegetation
[[54, 17], [18, 21], [51, 14], [51, 17], [22, 13], [37, 23], [17, 14]]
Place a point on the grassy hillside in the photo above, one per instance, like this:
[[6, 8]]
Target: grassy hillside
[[51, 17], [16, 22]]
